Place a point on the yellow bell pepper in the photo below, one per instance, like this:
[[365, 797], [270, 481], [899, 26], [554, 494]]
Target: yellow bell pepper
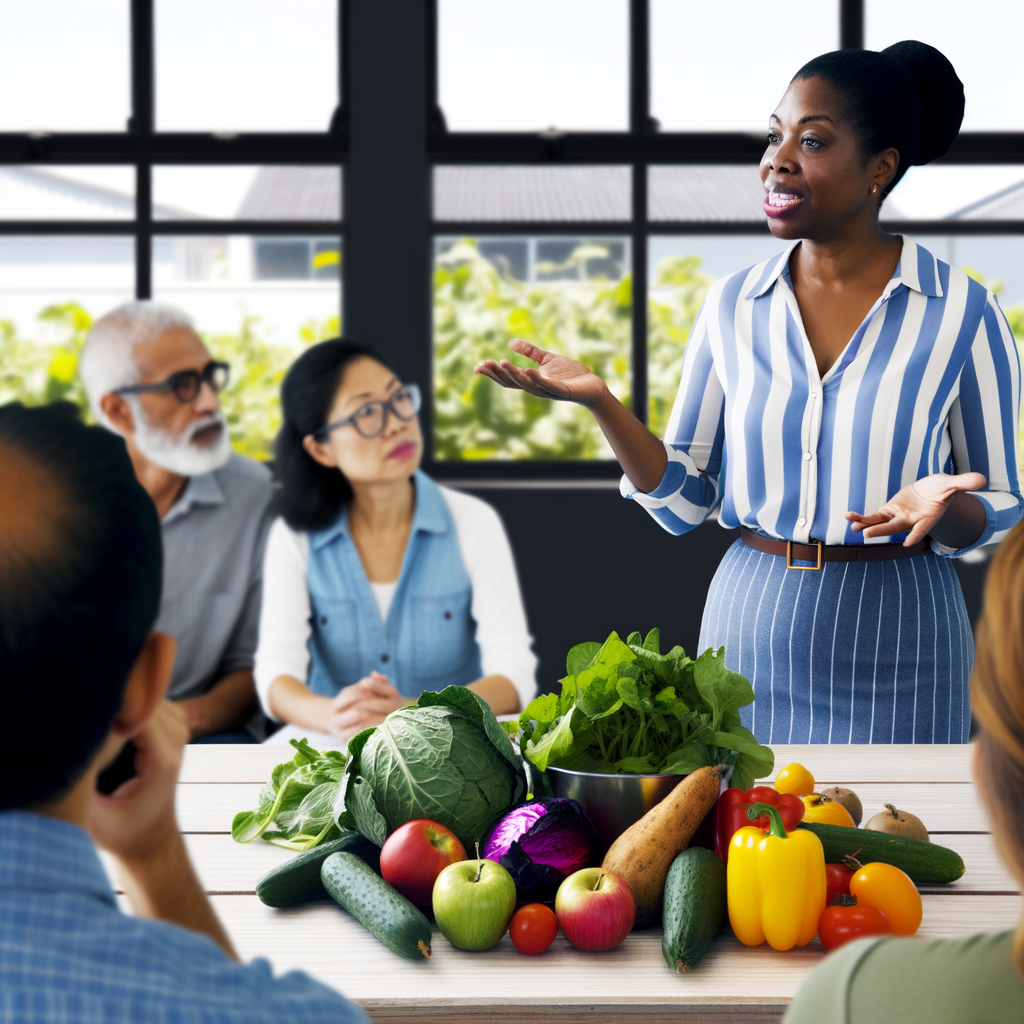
[[775, 883]]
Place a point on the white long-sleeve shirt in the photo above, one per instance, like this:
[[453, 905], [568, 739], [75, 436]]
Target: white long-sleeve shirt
[[496, 608]]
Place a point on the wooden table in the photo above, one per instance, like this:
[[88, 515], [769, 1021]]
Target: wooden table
[[631, 983]]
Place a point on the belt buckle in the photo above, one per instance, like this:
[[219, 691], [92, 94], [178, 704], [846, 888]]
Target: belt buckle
[[804, 568]]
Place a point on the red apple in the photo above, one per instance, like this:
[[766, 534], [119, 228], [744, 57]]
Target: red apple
[[595, 909], [415, 854]]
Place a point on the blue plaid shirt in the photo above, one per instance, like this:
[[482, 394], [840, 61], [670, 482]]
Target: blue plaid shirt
[[68, 955]]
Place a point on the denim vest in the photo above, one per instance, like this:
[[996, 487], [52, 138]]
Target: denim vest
[[429, 639]]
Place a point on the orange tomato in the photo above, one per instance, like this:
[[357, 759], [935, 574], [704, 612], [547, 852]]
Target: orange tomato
[[892, 892], [824, 811], [795, 779]]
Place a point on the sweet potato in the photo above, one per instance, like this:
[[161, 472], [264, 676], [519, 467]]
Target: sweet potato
[[643, 853]]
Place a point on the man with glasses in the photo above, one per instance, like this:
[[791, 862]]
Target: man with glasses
[[150, 379]]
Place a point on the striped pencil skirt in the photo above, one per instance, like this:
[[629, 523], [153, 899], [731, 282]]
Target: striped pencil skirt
[[860, 652]]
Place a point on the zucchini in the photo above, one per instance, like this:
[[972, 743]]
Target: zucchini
[[695, 905], [379, 908], [926, 863], [298, 880]]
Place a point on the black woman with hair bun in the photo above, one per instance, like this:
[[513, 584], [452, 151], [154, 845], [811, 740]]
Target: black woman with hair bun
[[851, 405], [378, 583]]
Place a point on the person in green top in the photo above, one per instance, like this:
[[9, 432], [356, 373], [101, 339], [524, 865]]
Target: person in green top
[[981, 977]]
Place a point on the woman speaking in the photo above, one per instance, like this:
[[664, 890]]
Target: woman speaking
[[851, 404]]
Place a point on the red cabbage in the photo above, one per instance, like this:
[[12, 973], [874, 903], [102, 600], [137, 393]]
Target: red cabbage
[[542, 842]]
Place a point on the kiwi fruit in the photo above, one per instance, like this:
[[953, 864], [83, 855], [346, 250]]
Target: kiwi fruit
[[848, 799], [898, 823]]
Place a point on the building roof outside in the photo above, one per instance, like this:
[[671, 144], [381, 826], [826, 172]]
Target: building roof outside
[[528, 193], [293, 193]]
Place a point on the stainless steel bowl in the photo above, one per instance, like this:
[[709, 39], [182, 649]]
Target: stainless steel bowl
[[612, 802]]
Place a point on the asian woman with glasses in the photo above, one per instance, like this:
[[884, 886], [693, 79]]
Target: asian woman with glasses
[[378, 583]]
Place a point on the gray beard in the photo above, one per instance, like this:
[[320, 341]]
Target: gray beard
[[179, 454]]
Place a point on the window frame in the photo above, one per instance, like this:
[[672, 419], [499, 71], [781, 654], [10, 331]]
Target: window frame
[[141, 146], [361, 138], [639, 148]]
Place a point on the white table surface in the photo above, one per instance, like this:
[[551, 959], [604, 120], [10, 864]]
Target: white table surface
[[632, 982]]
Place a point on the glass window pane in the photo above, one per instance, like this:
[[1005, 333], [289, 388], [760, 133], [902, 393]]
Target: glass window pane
[[682, 268], [51, 290], [982, 42], [569, 294], [958, 192], [34, 192], [697, 192], [64, 65], [723, 67], [246, 65], [247, 193], [532, 193], [529, 65], [258, 302]]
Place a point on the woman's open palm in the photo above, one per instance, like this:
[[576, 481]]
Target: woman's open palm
[[916, 508], [557, 377]]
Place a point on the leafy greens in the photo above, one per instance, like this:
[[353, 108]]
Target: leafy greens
[[628, 708], [444, 758], [296, 807]]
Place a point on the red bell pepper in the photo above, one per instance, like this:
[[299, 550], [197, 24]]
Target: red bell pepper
[[732, 813]]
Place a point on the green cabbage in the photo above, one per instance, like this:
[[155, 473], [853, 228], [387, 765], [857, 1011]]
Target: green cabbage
[[445, 758]]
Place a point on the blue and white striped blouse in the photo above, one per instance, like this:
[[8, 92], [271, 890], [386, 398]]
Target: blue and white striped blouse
[[930, 382]]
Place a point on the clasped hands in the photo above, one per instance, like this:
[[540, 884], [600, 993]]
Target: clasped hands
[[362, 705]]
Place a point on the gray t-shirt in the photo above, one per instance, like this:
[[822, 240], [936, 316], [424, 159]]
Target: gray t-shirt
[[214, 536], [913, 981]]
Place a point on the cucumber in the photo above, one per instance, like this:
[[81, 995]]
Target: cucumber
[[695, 905], [298, 880], [379, 908], [926, 863]]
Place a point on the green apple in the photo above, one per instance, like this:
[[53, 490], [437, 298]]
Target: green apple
[[473, 903]]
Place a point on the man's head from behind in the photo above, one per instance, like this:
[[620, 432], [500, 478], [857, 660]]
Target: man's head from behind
[[143, 366], [80, 580]]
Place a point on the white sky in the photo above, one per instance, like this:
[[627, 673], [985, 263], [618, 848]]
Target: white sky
[[243, 65]]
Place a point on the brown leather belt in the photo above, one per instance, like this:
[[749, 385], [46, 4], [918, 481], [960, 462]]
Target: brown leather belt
[[820, 553]]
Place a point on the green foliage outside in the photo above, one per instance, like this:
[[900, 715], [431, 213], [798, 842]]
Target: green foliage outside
[[477, 310], [678, 287], [35, 371]]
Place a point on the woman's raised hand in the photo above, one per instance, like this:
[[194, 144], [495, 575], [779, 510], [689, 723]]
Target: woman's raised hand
[[557, 377], [917, 507]]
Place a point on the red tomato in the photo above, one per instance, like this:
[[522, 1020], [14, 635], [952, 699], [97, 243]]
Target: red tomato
[[533, 928], [839, 925], [837, 882]]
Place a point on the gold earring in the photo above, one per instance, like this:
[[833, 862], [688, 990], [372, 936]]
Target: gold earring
[[874, 189]]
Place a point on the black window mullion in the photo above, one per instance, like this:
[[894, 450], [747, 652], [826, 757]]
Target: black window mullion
[[143, 231], [639, 67], [639, 246], [640, 124], [143, 75], [851, 24], [141, 123]]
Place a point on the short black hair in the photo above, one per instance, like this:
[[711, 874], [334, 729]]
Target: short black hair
[[81, 564], [310, 496], [906, 96]]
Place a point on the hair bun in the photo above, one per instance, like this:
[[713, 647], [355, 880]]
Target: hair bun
[[941, 91]]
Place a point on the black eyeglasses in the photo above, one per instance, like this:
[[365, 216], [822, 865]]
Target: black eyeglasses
[[370, 419], [185, 383]]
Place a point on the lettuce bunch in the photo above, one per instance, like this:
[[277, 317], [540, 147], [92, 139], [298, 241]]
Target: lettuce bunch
[[627, 708]]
